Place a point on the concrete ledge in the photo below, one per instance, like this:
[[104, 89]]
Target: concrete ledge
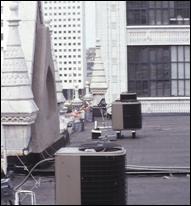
[[165, 104]]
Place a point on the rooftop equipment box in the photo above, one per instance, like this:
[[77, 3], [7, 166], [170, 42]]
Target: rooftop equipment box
[[126, 112], [93, 174]]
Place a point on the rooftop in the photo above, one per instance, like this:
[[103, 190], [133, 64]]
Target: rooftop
[[162, 141]]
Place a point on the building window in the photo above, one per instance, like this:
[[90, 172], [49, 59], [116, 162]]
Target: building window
[[158, 12], [180, 70], [159, 70]]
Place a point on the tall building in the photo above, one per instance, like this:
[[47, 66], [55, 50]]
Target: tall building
[[146, 49], [67, 24]]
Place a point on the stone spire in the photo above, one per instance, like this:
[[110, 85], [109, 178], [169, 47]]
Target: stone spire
[[98, 84], [76, 101], [88, 96], [59, 94], [17, 102]]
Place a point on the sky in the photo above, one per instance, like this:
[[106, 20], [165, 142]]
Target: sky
[[90, 23]]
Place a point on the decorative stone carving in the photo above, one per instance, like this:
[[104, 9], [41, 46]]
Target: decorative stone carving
[[76, 102], [14, 52], [18, 109], [165, 104], [14, 64], [158, 35], [88, 96], [10, 79], [19, 119]]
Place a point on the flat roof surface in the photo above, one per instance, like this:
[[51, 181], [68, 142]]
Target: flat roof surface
[[164, 140]]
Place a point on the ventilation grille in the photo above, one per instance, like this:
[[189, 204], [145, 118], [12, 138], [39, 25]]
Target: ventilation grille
[[132, 118], [103, 180]]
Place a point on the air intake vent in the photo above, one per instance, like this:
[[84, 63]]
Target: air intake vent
[[93, 174]]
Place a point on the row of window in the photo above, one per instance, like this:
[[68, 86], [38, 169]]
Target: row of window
[[65, 19], [65, 25], [60, 57], [70, 68], [49, 2], [73, 62], [159, 70], [65, 44], [65, 50], [158, 12], [71, 81], [62, 14], [70, 50], [69, 31], [70, 75], [69, 37], [70, 56], [63, 7]]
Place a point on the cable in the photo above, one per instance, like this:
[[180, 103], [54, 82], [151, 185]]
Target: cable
[[156, 173], [25, 168], [138, 170], [25, 179], [157, 167]]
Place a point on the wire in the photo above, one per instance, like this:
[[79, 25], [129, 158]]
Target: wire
[[136, 169], [25, 179], [156, 167], [156, 172], [25, 168]]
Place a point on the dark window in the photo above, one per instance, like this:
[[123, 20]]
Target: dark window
[[158, 12], [159, 70], [149, 70]]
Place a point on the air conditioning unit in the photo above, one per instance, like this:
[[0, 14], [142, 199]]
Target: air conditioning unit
[[93, 174], [126, 112]]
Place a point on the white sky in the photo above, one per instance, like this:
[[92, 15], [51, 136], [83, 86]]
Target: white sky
[[90, 23]]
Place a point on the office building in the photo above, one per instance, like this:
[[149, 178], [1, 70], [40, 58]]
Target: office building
[[67, 24], [146, 49]]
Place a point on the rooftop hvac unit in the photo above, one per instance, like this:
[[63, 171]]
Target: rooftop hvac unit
[[92, 174], [126, 112]]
